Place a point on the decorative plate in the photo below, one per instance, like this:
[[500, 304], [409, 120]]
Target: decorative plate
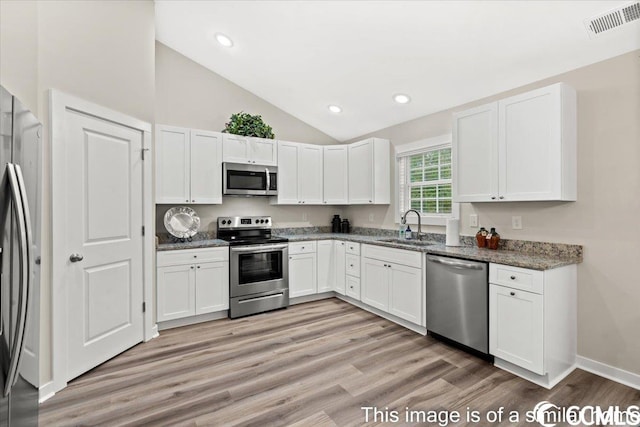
[[181, 222]]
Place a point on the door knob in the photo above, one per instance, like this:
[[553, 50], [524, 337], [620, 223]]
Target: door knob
[[76, 257]]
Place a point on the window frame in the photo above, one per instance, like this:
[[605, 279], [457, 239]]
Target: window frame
[[418, 147]]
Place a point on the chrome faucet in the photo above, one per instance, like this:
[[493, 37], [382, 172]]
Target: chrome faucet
[[404, 220]]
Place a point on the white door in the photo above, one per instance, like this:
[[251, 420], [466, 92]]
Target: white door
[[310, 174], [335, 177], [475, 154], [212, 287], [326, 265], [175, 292], [374, 287], [361, 172], [302, 275], [264, 151], [235, 149], [405, 293], [172, 165], [104, 213], [288, 173], [206, 167], [341, 268]]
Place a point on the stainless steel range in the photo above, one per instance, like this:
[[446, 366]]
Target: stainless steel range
[[258, 266]]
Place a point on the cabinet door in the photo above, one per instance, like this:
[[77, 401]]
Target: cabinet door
[[212, 287], [326, 266], [341, 272], [516, 327], [335, 175], [206, 167], [353, 287], [264, 151], [310, 174], [302, 275], [175, 292], [172, 165], [361, 172], [406, 299], [287, 173], [474, 154], [235, 149], [374, 286], [530, 145]]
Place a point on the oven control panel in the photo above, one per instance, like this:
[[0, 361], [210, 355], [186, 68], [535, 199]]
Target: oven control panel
[[244, 222]]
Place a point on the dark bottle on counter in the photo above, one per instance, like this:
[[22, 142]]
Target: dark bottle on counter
[[493, 238], [345, 227], [481, 237], [335, 224]]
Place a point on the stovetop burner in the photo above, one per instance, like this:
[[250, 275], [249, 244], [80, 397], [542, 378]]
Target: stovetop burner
[[247, 230]]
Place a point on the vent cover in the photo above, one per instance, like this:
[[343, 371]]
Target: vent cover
[[612, 19]]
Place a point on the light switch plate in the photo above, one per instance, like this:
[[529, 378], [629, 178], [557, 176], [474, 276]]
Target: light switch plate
[[516, 222], [473, 220]]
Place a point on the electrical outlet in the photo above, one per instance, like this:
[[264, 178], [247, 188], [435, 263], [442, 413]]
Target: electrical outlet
[[304, 216], [516, 222], [370, 217], [473, 220]]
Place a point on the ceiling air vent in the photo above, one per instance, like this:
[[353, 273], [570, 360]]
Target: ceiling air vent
[[613, 19]]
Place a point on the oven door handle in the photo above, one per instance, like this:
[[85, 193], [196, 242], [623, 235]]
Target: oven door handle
[[258, 248]]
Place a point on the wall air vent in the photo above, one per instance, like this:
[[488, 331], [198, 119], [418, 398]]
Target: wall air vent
[[612, 19]]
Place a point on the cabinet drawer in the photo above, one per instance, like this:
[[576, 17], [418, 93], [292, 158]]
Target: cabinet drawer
[[302, 247], [192, 256], [353, 248], [352, 265], [518, 278], [353, 287], [396, 256]]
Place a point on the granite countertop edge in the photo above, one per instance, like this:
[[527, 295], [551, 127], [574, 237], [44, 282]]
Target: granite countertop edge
[[506, 257]]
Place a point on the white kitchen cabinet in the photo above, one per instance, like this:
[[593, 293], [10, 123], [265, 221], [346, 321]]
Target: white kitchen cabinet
[[340, 250], [299, 173], [326, 265], [392, 281], [352, 287], [243, 149], [532, 321], [302, 275], [335, 175], [192, 282], [369, 172], [521, 148], [188, 166]]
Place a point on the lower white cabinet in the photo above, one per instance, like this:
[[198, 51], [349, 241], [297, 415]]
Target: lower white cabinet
[[340, 250], [326, 265], [532, 321], [352, 287], [392, 282], [302, 269], [192, 282]]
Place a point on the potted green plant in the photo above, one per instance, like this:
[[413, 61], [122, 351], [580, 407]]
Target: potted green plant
[[246, 124]]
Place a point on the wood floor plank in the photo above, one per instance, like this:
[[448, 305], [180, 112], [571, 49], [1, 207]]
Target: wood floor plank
[[314, 364]]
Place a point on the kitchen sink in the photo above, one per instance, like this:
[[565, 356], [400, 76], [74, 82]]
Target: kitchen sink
[[412, 242]]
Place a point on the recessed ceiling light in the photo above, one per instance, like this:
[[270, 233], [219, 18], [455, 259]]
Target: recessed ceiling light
[[401, 98], [335, 109], [224, 40]]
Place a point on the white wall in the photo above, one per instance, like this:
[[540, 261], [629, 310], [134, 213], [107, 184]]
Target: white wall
[[604, 219], [101, 51]]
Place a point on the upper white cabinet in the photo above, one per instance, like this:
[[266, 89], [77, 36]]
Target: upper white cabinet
[[299, 173], [369, 172], [188, 165], [243, 149], [521, 148], [336, 177]]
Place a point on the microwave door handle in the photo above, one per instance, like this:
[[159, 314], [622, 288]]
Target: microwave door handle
[[21, 209], [268, 179]]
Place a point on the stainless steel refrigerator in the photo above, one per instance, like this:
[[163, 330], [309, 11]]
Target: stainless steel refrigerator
[[20, 225]]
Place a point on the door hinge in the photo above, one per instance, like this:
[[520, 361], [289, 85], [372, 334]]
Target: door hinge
[[143, 230], [144, 307], [143, 150]]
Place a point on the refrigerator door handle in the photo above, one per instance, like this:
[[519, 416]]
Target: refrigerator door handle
[[21, 208]]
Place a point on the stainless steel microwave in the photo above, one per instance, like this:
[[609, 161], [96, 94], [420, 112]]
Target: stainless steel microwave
[[249, 180]]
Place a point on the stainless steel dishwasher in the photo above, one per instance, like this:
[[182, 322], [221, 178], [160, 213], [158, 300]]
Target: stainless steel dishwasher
[[458, 301]]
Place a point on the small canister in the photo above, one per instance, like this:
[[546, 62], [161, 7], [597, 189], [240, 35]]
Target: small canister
[[336, 224], [345, 227]]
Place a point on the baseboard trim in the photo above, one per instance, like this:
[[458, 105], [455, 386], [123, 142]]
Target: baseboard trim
[[46, 392], [191, 320], [609, 372]]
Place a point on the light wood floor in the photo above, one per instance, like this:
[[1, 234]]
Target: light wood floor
[[313, 364]]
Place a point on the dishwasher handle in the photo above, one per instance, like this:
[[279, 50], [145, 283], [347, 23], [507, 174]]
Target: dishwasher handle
[[456, 264]]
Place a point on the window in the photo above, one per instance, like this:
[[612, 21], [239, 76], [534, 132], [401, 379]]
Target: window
[[424, 180]]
